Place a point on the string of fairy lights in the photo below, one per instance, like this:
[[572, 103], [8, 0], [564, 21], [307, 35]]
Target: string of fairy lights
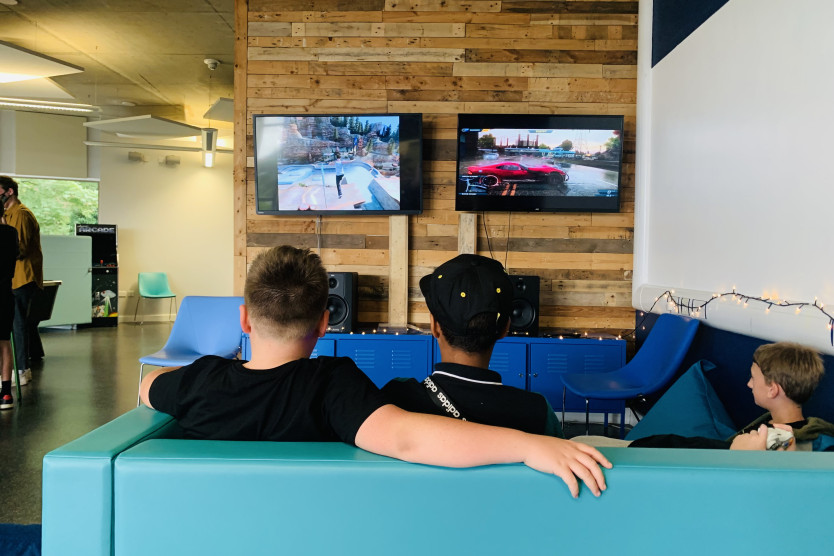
[[698, 308]]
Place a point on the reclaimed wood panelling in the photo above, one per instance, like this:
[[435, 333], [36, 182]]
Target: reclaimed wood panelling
[[441, 58]]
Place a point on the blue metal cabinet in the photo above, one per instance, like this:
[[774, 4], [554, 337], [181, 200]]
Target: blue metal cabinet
[[510, 359], [550, 359], [325, 346], [383, 357]]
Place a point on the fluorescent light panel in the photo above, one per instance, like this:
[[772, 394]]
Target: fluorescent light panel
[[47, 105]]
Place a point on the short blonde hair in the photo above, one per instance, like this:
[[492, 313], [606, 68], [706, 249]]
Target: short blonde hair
[[286, 291], [794, 367]]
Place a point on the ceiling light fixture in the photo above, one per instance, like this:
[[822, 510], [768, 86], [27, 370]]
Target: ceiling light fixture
[[30, 104], [209, 146]]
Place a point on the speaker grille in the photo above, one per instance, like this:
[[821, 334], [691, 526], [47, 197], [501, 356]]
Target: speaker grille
[[524, 319], [341, 301]]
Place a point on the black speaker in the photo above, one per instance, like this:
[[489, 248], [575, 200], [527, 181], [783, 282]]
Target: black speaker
[[342, 301], [524, 320]]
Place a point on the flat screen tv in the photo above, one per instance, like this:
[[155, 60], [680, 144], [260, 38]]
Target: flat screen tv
[[338, 164], [538, 163]]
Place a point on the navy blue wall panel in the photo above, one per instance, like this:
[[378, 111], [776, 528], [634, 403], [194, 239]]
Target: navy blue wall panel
[[674, 20]]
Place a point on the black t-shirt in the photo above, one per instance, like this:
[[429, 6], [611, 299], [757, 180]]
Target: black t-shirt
[[480, 397], [308, 400], [8, 260], [8, 255]]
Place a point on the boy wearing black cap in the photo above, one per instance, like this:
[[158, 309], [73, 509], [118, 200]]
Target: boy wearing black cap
[[282, 394], [470, 299]]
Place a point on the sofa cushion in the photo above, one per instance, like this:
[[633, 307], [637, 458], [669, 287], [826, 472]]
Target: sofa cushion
[[689, 408]]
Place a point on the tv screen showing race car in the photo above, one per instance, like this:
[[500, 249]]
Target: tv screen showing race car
[[538, 163], [338, 163]]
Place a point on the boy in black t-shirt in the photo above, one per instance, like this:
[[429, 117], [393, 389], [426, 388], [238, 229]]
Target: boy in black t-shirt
[[470, 299], [8, 259], [281, 394]]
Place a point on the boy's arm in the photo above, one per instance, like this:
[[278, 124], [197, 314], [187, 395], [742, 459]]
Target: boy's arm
[[148, 379], [435, 440]]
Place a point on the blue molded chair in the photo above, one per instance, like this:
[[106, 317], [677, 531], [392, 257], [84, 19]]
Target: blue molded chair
[[651, 369], [204, 326], [154, 285]]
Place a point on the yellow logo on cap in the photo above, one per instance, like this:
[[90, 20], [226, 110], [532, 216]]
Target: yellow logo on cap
[[497, 290], [463, 294]]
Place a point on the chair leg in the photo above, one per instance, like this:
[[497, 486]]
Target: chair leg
[[622, 422], [606, 424], [170, 308], [139, 389], [564, 395], [587, 416], [136, 310]]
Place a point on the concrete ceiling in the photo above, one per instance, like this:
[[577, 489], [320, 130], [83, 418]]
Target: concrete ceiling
[[144, 52]]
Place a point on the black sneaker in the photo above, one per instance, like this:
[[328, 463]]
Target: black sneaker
[[6, 401]]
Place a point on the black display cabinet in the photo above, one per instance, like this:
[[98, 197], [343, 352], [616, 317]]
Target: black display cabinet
[[105, 272]]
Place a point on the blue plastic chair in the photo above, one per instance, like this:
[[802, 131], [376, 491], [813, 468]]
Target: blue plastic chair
[[651, 369], [204, 326], [154, 285]]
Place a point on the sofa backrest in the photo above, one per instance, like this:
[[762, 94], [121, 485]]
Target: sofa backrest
[[208, 497]]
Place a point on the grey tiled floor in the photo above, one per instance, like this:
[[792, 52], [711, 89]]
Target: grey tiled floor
[[87, 378]]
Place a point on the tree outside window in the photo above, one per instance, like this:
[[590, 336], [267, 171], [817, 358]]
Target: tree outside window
[[60, 204]]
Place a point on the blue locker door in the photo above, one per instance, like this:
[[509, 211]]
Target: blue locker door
[[510, 359], [324, 346], [549, 361], [384, 359]]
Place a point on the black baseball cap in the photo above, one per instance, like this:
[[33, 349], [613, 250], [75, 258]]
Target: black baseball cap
[[464, 287]]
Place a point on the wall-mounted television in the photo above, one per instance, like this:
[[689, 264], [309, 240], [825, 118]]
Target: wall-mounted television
[[338, 163], [539, 162]]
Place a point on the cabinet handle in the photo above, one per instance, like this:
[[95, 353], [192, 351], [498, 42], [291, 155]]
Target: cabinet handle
[[535, 375]]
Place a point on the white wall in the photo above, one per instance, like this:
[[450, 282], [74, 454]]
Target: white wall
[[734, 166], [173, 219], [36, 144]]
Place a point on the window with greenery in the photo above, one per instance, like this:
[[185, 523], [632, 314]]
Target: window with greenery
[[60, 204]]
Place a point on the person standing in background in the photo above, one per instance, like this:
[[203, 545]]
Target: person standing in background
[[8, 260], [28, 275], [340, 174]]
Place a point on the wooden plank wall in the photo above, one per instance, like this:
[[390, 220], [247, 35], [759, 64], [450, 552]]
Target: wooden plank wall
[[441, 58]]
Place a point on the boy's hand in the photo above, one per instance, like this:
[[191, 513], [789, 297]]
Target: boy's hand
[[570, 460], [753, 440], [757, 439]]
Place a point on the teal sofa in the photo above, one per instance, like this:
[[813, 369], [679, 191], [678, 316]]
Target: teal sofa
[[131, 488]]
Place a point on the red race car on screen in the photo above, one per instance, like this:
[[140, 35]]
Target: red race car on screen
[[493, 174]]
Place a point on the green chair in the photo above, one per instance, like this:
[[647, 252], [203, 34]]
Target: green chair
[[154, 285]]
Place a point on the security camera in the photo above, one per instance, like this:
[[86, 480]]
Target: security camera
[[211, 63]]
